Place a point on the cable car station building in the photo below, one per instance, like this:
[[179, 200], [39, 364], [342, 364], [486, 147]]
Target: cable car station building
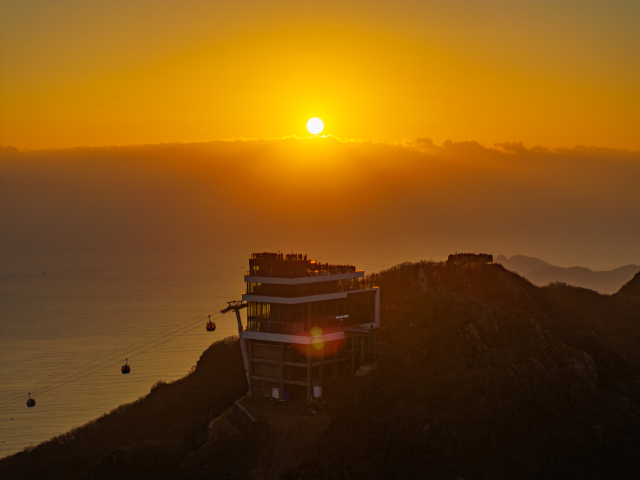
[[305, 320]]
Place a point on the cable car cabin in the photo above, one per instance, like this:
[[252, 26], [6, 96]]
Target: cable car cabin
[[31, 402], [126, 368], [211, 327]]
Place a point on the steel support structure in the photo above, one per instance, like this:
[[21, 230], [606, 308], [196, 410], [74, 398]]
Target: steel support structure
[[236, 306]]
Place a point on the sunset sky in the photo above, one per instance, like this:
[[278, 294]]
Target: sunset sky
[[509, 127], [556, 73]]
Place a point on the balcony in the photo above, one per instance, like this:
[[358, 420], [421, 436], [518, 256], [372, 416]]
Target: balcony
[[306, 327], [307, 289]]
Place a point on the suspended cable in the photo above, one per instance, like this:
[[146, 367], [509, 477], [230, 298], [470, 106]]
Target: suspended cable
[[117, 350], [91, 370], [79, 375], [111, 359], [116, 363]]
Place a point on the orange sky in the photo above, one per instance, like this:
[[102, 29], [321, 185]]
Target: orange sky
[[552, 73]]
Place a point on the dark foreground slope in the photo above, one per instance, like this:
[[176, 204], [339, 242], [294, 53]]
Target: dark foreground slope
[[490, 378], [146, 438], [494, 378]]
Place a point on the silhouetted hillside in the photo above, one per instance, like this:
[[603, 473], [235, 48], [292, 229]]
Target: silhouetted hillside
[[490, 377], [631, 288], [542, 273]]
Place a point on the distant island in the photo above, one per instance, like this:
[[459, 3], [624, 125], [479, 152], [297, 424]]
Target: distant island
[[488, 377], [542, 273]]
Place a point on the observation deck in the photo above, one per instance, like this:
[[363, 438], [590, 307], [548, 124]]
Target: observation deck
[[303, 316]]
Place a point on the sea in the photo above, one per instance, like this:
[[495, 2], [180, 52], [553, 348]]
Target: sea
[[70, 318]]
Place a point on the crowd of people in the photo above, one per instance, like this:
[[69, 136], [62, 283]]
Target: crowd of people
[[315, 266]]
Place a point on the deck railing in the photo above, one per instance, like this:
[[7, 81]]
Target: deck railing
[[297, 328], [308, 273], [293, 291]]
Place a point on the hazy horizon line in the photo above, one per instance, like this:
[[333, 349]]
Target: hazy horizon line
[[423, 144]]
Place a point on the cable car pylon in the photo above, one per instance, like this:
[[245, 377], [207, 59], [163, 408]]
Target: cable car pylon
[[237, 305]]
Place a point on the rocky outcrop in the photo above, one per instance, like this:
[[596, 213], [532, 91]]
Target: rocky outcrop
[[430, 280], [489, 320], [464, 341], [481, 333], [507, 286]]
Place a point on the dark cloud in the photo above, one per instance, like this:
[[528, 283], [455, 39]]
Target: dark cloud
[[411, 197], [8, 152]]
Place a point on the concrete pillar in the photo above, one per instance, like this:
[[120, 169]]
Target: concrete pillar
[[250, 352], [377, 312], [281, 371], [309, 367], [322, 366], [353, 355]]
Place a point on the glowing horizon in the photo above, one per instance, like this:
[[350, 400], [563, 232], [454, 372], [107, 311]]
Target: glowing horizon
[[111, 73]]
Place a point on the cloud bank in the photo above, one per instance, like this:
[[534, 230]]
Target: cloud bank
[[415, 198]]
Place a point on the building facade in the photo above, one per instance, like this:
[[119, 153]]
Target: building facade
[[305, 320]]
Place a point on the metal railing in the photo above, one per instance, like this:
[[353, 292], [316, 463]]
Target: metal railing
[[293, 291], [308, 273], [326, 325]]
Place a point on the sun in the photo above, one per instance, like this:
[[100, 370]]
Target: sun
[[315, 126]]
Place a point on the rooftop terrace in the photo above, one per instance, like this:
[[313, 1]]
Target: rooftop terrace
[[469, 259], [292, 265]]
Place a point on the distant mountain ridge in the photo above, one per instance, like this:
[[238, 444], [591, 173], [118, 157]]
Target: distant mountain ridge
[[521, 264], [542, 273]]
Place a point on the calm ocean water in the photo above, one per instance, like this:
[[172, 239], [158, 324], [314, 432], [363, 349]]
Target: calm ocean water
[[64, 312], [61, 311]]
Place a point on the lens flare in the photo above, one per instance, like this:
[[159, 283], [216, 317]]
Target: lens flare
[[316, 342]]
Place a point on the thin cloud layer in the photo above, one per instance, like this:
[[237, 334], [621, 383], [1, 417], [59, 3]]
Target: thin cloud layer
[[414, 197], [472, 148]]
